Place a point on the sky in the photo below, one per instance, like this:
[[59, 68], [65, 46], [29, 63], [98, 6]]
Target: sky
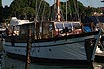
[[6, 2], [94, 3]]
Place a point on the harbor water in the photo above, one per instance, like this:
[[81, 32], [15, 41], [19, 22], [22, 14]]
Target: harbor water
[[10, 63]]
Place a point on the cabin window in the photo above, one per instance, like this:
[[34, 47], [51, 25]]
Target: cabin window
[[69, 26], [59, 26], [17, 28], [76, 25], [22, 30], [50, 27]]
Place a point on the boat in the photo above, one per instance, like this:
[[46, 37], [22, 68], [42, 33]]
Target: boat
[[51, 41]]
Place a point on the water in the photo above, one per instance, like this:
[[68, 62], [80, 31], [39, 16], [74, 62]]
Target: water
[[9, 63]]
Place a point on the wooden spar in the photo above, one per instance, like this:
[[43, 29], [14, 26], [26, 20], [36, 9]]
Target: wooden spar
[[58, 10]]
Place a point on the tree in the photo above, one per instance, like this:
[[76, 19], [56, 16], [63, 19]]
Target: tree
[[27, 8], [26, 12], [73, 9], [41, 10], [1, 13]]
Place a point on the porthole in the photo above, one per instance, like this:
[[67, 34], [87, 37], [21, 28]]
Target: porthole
[[50, 49], [32, 51], [38, 50], [19, 50], [15, 49]]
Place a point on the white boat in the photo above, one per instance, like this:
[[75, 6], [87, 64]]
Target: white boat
[[52, 41]]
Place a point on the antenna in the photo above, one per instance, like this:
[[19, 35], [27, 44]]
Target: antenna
[[66, 10]]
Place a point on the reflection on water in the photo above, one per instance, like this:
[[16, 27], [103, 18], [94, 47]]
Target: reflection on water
[[10, 63], [17, 64]]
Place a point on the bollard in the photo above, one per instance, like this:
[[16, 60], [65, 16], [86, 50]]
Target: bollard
[[29, 42]]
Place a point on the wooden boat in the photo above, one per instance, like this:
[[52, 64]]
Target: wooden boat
[[52, 41]]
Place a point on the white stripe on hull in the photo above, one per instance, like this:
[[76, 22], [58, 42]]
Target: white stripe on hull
[[74, 51]]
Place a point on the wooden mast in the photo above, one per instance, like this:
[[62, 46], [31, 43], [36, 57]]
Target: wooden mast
[[58, 10]]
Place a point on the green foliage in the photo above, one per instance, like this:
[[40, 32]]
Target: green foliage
[[39, 8], [27, 8], [0, 3], [0, 11], [73, 9], [1, 14], [27, 11]]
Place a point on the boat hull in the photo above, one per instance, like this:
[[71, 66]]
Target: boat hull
[[75, 49], [49, 61]]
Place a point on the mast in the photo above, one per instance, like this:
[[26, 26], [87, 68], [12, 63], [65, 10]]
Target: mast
[[54, 17], [66, 10], [58, 10]]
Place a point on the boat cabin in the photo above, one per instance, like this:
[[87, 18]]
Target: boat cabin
[[43, 30], [67, 28]]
